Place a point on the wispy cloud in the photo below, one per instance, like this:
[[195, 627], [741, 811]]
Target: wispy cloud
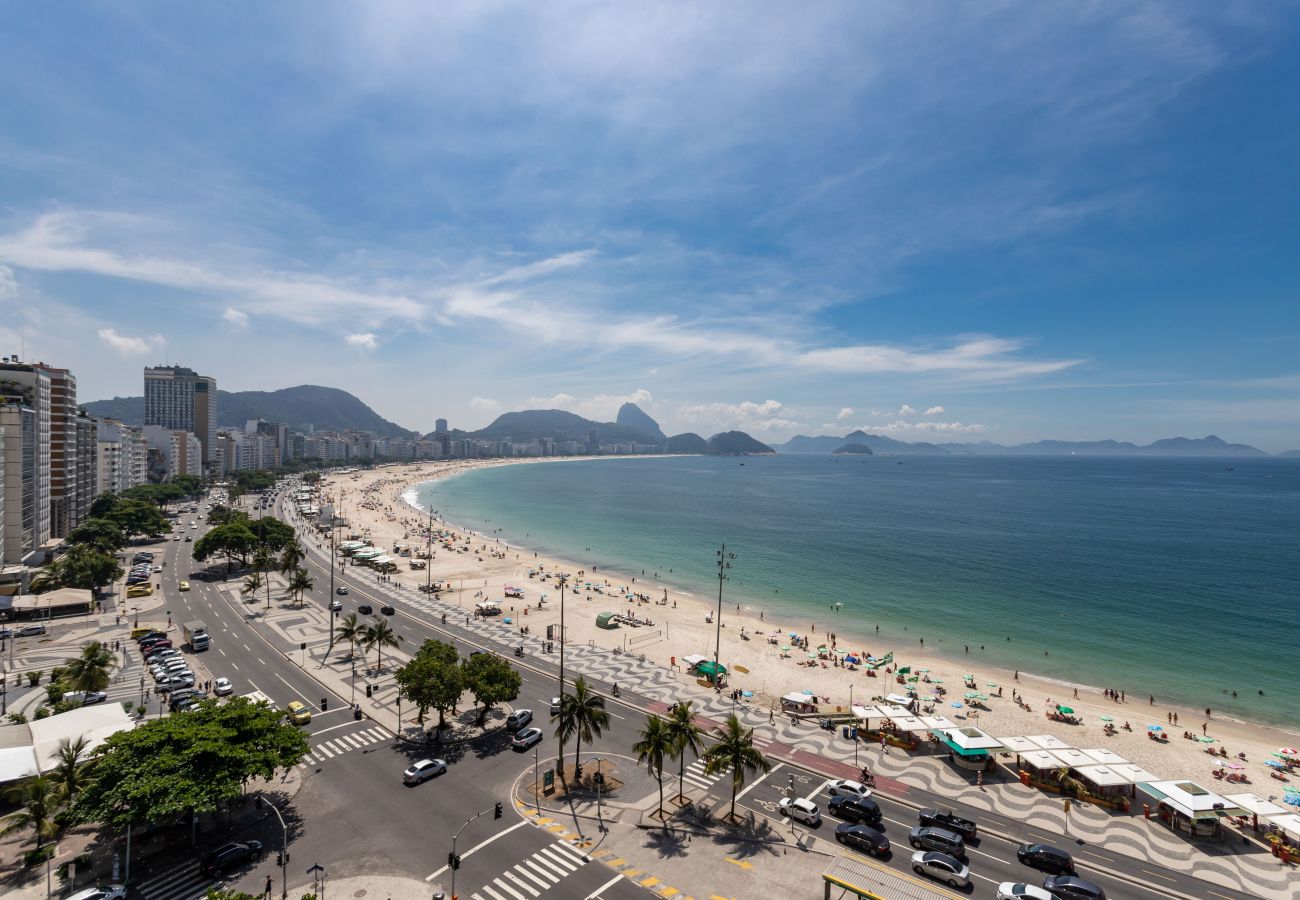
[[600, 407], [127, 345], [364, 339], [484, 404], [235, 318], [975, 358], [845, 413]]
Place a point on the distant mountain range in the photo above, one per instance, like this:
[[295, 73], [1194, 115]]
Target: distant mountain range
[[325, 408], [1177, 446]]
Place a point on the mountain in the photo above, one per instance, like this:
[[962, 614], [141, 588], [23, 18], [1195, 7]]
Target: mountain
[[736, 443], [1290, 453], [687, 443], [557, 424], [634, 418], [854, 449], [1210, 445], [325, 408]]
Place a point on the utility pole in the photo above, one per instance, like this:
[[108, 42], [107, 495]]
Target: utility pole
[[428, 560], [284, 849], [453, 861], [724, 563], [564, 580]]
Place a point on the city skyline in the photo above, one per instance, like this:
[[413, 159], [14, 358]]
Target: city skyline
[[781, 223]]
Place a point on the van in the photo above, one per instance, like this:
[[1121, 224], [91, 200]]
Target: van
[[938, 839]]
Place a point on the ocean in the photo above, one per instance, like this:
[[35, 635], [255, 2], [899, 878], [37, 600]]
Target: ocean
[[1173, 577]]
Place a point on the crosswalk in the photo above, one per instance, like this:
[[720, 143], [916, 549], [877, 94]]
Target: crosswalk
[[540, 871], [696, 775], [340, 745], [183, 882]]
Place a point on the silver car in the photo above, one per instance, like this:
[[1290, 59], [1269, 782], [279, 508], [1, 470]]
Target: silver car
[[940, 867], [419, 772]]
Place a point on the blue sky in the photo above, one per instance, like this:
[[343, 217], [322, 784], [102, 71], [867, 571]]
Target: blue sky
[[999, 220]]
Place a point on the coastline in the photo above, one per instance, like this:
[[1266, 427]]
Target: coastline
[[769, 675]]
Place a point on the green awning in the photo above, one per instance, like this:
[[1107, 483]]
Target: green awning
[[959, 750], [708, 667]]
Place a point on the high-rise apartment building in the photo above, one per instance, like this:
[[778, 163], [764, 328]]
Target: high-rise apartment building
[[180, 399], [87, 470], [64, 513], [19, 470], [440, 426], [30, 384]]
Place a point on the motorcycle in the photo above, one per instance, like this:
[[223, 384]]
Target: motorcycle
[[519, 651], [616, 691]]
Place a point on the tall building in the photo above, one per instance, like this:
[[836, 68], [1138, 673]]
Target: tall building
[[180, 399], [19, 465], [63, 451], [440, 426], [87, 468], [172, 452], [31, 385]]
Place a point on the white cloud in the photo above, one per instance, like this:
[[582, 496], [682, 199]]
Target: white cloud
[[542, 267], [364, 339], [235, 318], [130, 346], [8, 284], [977, 357], [484, 404], [601, 407], [934, 411], [845, 413], [901, 426], [770, 416]]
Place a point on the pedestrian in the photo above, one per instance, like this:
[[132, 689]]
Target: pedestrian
[[1123, 697], [979, 779], [1207, 714], [268, 887], [1203, 728]]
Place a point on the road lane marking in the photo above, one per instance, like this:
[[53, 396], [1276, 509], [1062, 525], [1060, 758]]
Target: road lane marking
[[604, 887], [775, 768], [477, 847]]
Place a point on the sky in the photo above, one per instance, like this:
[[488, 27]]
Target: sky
[[996, 221]]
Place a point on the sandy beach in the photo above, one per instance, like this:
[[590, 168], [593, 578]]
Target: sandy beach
[[481, 567]]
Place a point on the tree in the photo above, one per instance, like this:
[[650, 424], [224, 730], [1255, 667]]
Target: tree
[[582, 715], [87, 568], [272, 533], [300, 581], [234, 540], [433, 679], [291, 557], [102, 505], [656, 743], [190, 485], [98, 534], [90, 670], [491, 680], [38, 801], [264, 562], [351, 630], [72, 772], [252, 584], [734, 750], [379, 635], [183, 765], [220, 514], [687, 736], [137, 517]]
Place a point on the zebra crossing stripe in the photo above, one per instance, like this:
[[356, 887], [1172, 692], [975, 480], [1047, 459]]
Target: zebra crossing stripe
[[322, 750], [491, 893], [545, 861], [530, 870], [521, 883], [507, 888]]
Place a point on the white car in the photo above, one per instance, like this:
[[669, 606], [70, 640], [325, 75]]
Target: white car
[[525, 739], [1018, 890], [222, 686], [844, 787], [940, 867], [801, 809], [103, 892], [419, 772]]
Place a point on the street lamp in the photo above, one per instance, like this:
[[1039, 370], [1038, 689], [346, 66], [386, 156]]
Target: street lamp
[[563, 580], [284, 848], [724, 563]]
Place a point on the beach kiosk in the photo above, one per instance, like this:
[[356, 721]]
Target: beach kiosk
[[799, 703], [692, 661], [969, 748], [1188, 807], [715, 673]]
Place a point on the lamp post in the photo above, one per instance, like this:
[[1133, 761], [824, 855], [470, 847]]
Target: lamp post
[[724, 563], [537, 798], [563, 580], [284, 849]]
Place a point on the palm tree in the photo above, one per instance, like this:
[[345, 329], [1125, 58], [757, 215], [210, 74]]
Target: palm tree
[[734, 750], [291, 557], [582, 714], [686, 736], [656, 742], [38, 802], [70, 773], [263, 561], [252, 584], [351, 630], [89, 671], [380, 635], [300, 581]]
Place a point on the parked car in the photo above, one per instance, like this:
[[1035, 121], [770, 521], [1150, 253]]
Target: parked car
[[1046, 858], [229, 856], [222, 687], [172, 682], [518, 719], [1018, 890], [939, 839], [862, 838], [148, 633], [847, 788], [419, 772], [942, 818], [1072, 887], [103, 892], [800, 809], [862, 810], [940, 867], [30, 631], [93, 697], [526, 738]]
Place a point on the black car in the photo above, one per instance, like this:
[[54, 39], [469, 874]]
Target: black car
[[863, 839], [388, 610], [1045, 858], [862, 810], [229, 856], [365, 609], [153, 634], [1072, 887]]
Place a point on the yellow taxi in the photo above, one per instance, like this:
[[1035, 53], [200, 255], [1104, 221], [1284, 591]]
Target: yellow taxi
[[185, 585], [298, 712]]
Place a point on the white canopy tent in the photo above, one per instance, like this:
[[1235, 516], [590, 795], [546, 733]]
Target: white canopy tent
[[1020, 745], [1135, 773], [938, 722], [1256, 804], [1049, 742], [94, 723], [17, 762], [1113, 776], [1289, 823], [1106, 757], [1040, 759], [1073, 758]]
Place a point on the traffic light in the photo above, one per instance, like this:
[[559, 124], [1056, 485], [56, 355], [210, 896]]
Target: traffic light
[[497, 813], [453, 861]]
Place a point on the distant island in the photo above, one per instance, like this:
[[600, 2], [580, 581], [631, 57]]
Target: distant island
[[853, 450], [1209, 446]]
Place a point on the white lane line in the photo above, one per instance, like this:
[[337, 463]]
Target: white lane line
[[544, 861], [760, 781], [604, 887], [477, 847], [559, 861], [234, 666], [331, 728], [322, 750]]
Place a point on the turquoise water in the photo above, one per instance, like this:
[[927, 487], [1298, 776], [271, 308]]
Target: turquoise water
[[1170, 577]]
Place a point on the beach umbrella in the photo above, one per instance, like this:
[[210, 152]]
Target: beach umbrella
[[1152, 727], [957, 704], [913, 679], [990, 684], [1288, 751], [1108, 718], [1233, 765], [1273, 763], [971, 695], [785, 649], [1064, 710], [922, 670], [938, 681]]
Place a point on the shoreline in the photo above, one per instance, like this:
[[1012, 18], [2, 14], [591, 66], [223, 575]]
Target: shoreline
[[769, 674]]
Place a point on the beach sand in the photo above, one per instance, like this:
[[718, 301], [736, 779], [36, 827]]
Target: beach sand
[[373, 504]]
